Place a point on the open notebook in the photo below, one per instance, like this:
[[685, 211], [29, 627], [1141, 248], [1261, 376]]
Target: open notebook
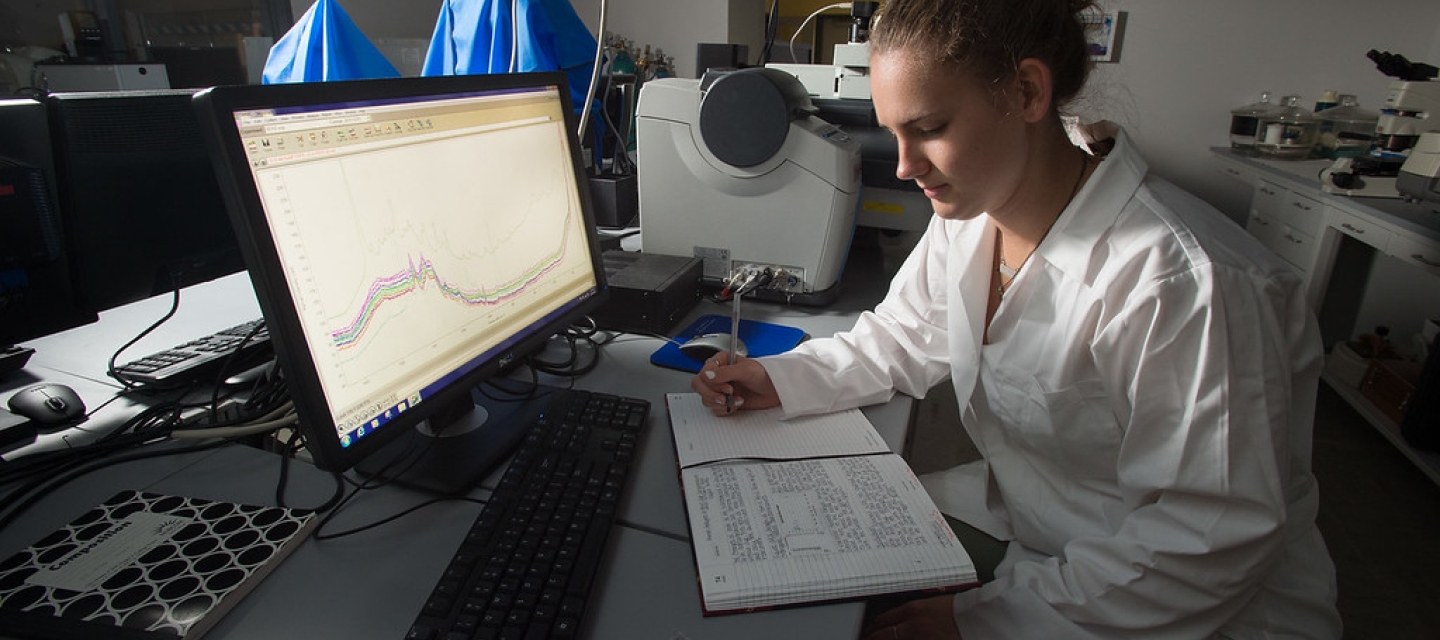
[[806, 510]]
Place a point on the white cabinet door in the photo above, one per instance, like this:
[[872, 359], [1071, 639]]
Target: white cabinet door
[[1421, 252], [1363, 229], [1287, 222]]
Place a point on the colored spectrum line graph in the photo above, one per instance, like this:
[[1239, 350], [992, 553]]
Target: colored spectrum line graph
[[415, 279], [406, 262]]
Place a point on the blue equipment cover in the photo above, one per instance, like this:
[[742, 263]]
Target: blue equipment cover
[[478, 36], [325, 45]]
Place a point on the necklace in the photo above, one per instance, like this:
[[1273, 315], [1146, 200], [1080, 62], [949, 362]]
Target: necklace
[[1008, 273]]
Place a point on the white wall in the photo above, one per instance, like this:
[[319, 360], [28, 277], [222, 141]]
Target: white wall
[[1184, 65], [676, 26]]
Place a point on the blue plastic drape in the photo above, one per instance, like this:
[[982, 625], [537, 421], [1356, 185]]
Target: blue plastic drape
[[325, 45], [476, 36]]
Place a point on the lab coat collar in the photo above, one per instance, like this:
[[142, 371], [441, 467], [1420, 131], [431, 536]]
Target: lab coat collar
[[1096, 207], [1068, 247]]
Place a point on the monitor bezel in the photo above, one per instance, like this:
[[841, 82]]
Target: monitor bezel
[[216, 107]]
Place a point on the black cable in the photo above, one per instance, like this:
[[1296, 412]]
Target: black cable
[[115, 373], [285, 457], [772, 21], [571, 367], [224, 369], [622, 148], [50, 483], [137, 430], [391, 518], [384, 476], [154, 422]]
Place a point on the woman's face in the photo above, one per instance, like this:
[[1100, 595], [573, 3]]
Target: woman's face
[[959, 141]]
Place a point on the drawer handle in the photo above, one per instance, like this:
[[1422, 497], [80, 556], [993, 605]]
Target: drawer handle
[[1266, 191], [1297, 205], [1297, 240], [1262, 222], [1423, 260], [1233, 172], [1346, 226]]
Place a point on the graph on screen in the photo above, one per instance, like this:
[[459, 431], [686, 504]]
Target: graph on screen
[[398, 255]]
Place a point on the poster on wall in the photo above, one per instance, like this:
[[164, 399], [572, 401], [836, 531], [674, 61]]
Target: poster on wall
[[1102, 33]]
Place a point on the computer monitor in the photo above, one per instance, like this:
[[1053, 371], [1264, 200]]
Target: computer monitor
[[407, 239], [140, 203], [36, 297]]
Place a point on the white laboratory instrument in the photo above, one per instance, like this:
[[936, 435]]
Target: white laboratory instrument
[[734, 169], [1411, 109], [1419, 177], [841, 92], [63, 77]]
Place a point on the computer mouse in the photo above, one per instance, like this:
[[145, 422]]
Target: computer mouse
[[48, 403], [708, 344]]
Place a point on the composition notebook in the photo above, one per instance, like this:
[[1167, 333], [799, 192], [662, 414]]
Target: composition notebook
[[145, 565], [760, 338], [806, 510]]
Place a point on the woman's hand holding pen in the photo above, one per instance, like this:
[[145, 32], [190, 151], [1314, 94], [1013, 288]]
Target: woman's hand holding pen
[[727, 388]]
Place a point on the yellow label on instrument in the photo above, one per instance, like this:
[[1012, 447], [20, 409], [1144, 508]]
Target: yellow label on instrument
[[883, 207]]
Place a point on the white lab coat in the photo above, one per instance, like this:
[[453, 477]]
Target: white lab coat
[[1144, 408]]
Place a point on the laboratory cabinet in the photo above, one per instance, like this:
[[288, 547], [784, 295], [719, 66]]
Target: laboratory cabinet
[[1336, 242], [1288, 222], [1423, 253]]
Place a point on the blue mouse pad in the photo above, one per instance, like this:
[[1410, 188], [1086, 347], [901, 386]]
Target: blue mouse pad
[[760, 338]]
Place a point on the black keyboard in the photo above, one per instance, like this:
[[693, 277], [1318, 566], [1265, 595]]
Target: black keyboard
[[525, 569], [186, 362]]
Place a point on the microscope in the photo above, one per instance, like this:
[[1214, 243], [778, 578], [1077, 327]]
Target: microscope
[[1411, 109]]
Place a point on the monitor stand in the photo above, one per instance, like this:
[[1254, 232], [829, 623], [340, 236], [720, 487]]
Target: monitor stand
[[474, 436]]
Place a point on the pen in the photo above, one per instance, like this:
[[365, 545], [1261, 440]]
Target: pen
[[734, 341]]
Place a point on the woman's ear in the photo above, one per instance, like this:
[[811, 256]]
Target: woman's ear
[[1033, 80]]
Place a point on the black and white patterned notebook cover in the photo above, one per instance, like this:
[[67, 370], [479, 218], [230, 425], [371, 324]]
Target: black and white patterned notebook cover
[[146, 563]]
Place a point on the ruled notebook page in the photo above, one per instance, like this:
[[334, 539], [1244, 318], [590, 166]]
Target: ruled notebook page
[[702, 437], [817, 530]]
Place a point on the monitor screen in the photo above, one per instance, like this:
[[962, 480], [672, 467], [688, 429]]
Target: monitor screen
[[407, 238], [141, 207], [36, 297]]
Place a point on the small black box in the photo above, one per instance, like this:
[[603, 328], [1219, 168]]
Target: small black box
[[714, 55], [616, 199], [649, 292]]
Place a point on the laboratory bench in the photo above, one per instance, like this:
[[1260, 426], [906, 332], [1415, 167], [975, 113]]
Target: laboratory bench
[[372, 584], [1331, 240]]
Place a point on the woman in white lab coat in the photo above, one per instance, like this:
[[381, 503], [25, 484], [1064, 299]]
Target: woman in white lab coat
[[1138, 373]]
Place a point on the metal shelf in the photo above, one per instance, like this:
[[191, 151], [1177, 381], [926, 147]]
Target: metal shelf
[[1427, 461]]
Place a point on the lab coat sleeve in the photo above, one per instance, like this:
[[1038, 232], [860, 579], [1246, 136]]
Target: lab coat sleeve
[[1203, 372], [900, 346]]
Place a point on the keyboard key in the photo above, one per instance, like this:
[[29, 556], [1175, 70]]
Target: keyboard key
[[200, 357], [526, 567]]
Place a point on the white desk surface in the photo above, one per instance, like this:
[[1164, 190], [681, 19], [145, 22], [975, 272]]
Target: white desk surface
[[1420, 219], [372, 584]]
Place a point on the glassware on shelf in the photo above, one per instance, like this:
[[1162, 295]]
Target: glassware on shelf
[[1346, 130], [1245, 120], [1287, 133]]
